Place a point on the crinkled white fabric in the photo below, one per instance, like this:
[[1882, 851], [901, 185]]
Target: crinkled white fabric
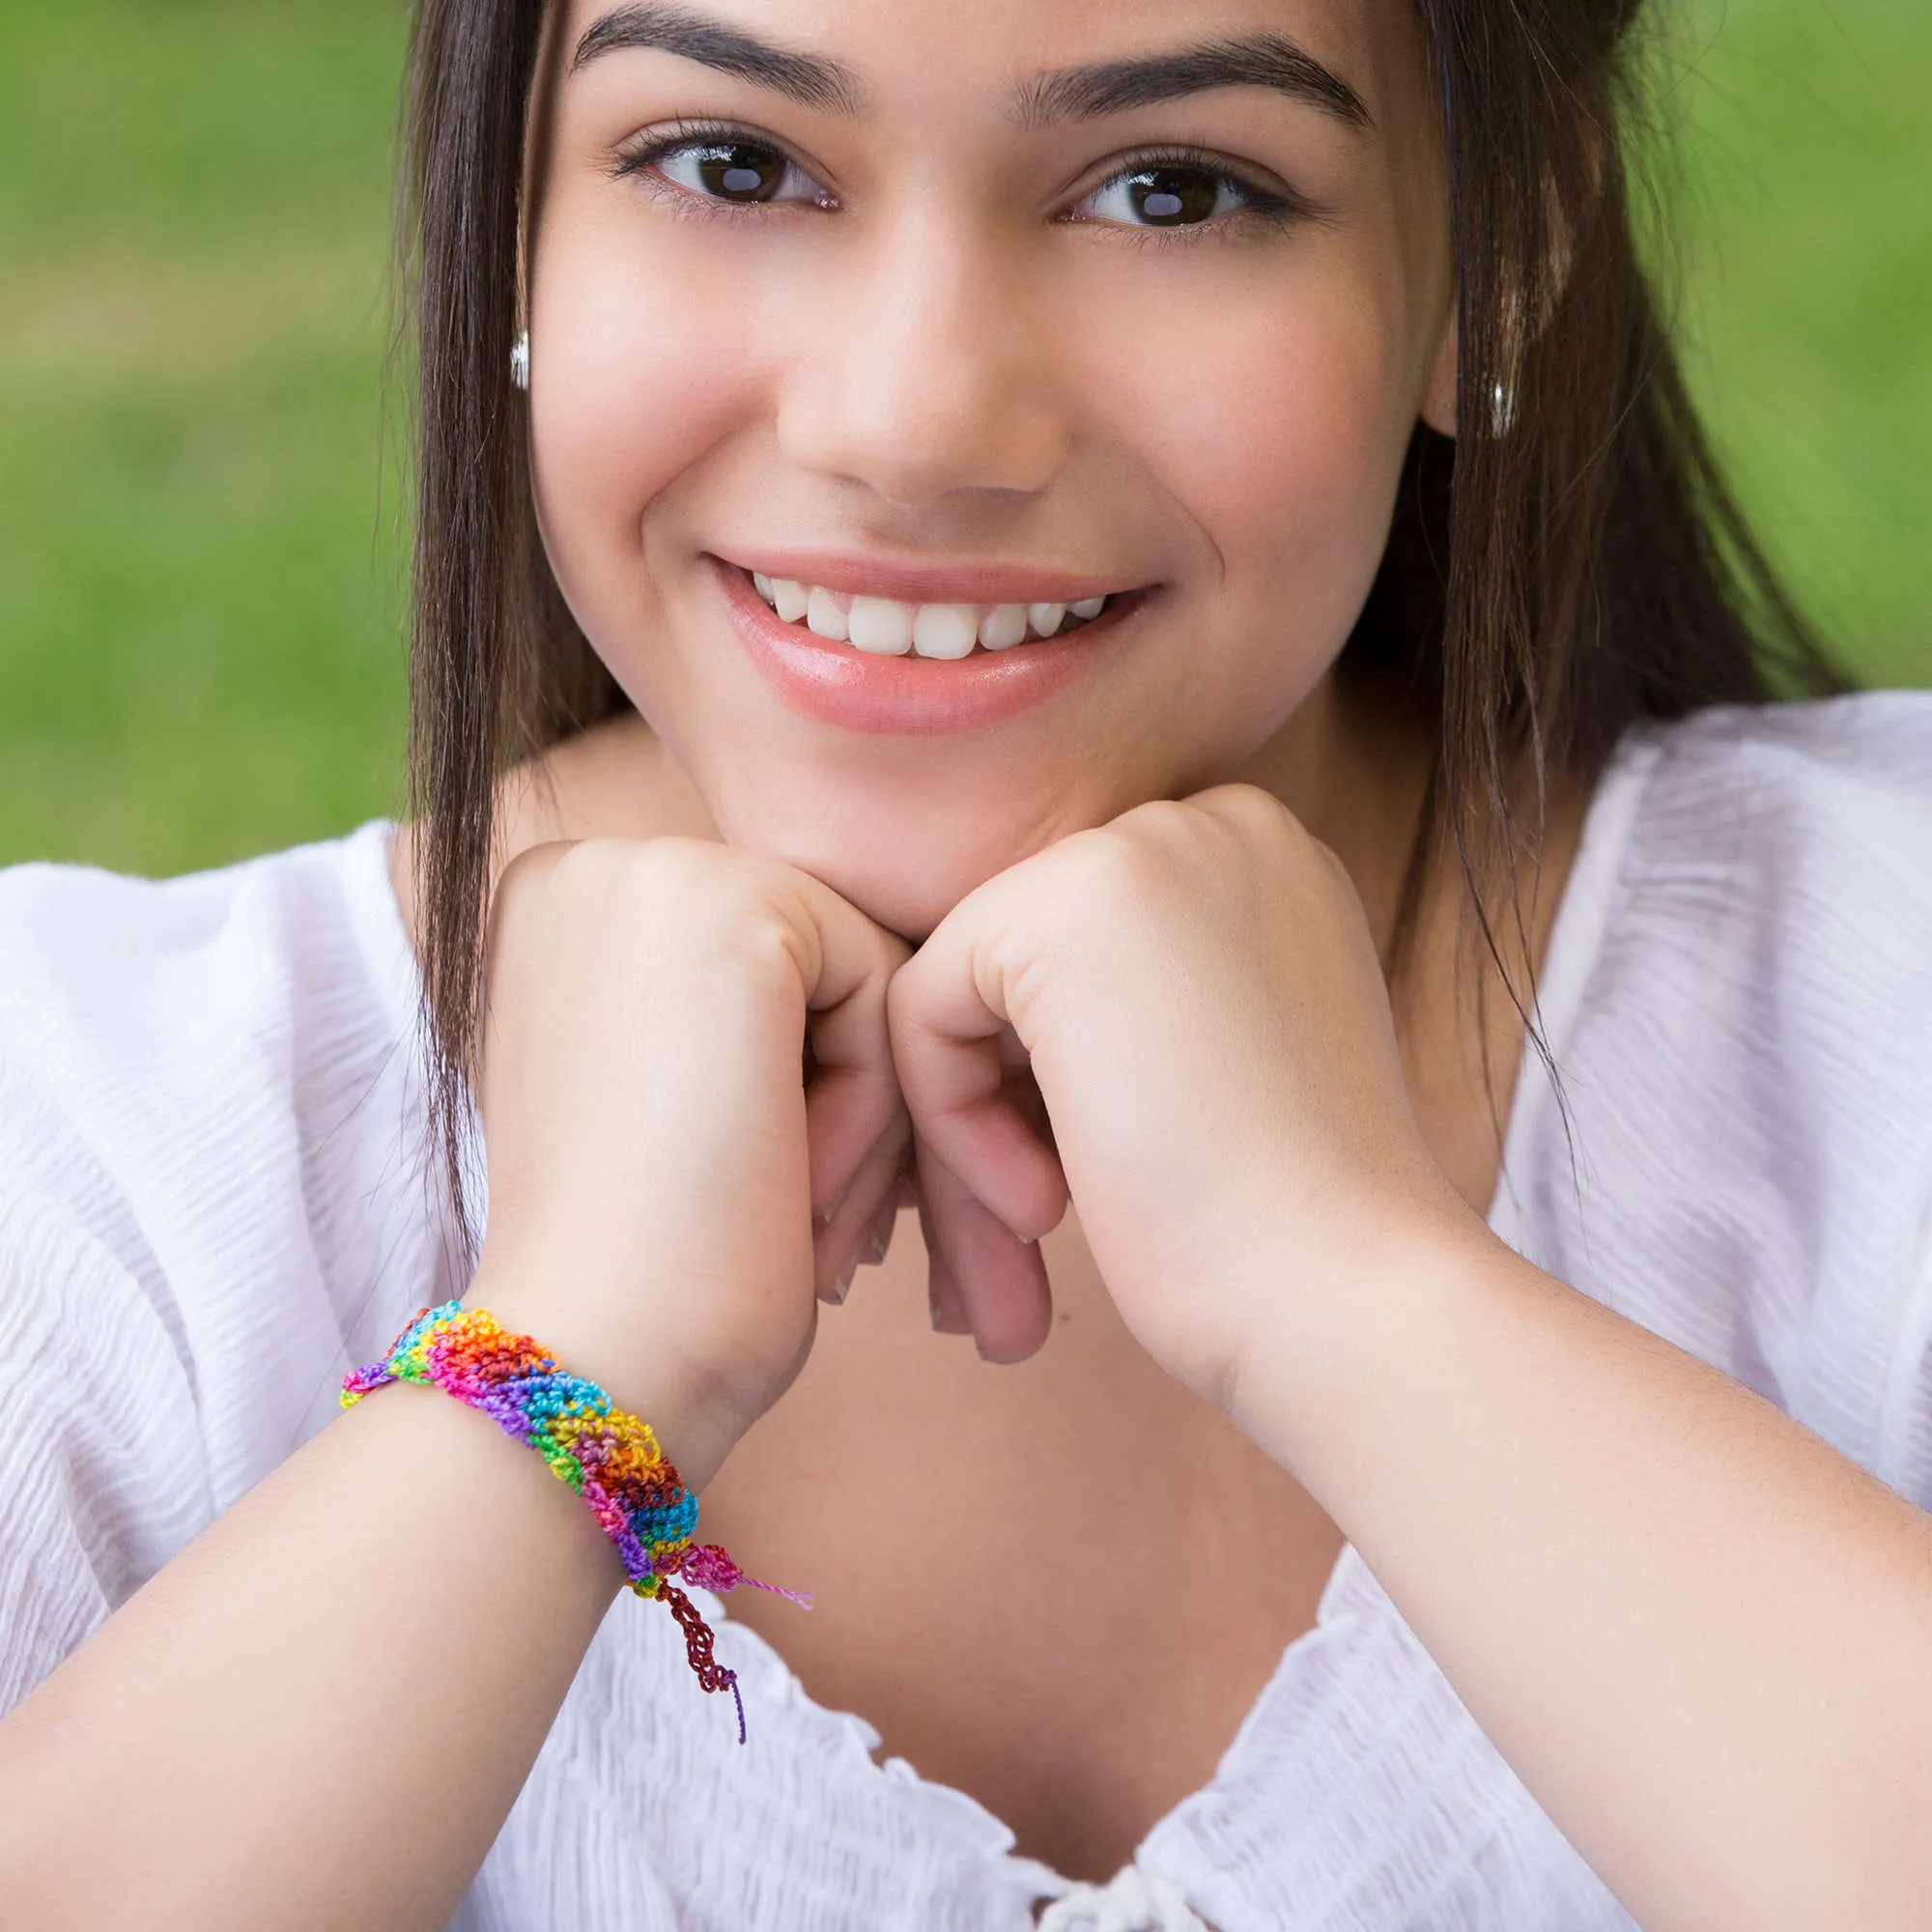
[[214, 1200], [1133, 1900]]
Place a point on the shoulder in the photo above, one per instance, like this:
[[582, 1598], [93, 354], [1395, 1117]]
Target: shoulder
[[209, 1129], [1737, 1003], [1773, 876], [1784, 845], [149, 1008], [1794, 789], [90, 958], [1786, 851], [212, 1203]]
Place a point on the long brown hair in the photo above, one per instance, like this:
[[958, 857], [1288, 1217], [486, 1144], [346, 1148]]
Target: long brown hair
[[1571, 563]]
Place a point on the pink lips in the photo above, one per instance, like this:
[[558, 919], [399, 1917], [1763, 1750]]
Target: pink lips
[[912, 696]]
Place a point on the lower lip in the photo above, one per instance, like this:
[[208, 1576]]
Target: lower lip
[[910, 695]]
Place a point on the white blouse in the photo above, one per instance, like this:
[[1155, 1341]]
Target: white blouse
[[216, 1197]]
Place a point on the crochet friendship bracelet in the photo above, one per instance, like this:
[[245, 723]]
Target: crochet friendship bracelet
[[612, 1459]]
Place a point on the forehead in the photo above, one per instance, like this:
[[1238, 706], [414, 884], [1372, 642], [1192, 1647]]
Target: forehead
[[886, 53]]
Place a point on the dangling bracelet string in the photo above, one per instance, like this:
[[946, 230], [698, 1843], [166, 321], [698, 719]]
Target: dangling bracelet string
[[610, 1459]]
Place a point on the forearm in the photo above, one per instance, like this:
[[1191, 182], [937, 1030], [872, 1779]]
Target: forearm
[[1701, 1636], [320, 1712]]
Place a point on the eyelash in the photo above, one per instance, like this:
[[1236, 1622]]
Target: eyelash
[[636, 163], [1269, 205], [1272, 206]]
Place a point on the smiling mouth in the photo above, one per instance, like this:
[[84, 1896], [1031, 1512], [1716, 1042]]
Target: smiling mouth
[[887, 627]]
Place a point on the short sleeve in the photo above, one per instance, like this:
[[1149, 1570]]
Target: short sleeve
[[1743, 1022], [216, 1197], [102, 1469]]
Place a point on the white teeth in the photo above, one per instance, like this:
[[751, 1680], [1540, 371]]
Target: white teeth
[[885, 627], [823, 616], [945, 629], [1003, 626], [877, 625]]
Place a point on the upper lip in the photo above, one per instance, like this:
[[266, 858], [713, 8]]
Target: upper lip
[[958, 581]]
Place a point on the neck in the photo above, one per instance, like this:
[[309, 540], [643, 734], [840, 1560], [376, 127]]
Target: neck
[[1356, 782]]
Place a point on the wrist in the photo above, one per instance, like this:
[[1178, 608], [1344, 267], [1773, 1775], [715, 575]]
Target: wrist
[[697, 1431], [610, 1458], [1335, 1354]]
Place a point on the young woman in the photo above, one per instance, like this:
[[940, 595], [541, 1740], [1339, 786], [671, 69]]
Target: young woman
[[1040, 601]]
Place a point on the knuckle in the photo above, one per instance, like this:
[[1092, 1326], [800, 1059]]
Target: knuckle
[[1251, 814], [759, 940], [526, 876], [1160, 822], [1336, 873], [1140, 856], [648, 890], [1107, 868], [638, 870]]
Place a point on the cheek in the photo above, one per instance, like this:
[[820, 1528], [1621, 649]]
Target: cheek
[[1280, 435], [1277, 419], [636, 374]]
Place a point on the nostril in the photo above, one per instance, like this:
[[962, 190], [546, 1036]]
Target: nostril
[[913, 446]]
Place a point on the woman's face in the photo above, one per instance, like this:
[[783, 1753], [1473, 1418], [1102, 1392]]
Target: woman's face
[[971, 312]]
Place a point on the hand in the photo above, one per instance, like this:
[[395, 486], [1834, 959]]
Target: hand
[[1197, 994], [661, 1177]]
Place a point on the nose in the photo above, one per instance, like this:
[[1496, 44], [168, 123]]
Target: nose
[[926, 373]]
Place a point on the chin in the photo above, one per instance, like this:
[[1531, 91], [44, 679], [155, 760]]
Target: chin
[[905, 871], [907, 891], [905, 830]]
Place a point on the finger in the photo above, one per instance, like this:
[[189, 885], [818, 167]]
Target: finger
[[842, 1244], [947, 1311], [879, 1236], [947, 1028], [991, 1280], [853, 1092]]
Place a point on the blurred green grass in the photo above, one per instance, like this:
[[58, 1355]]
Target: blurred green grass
[[199, 590], [199, 577]]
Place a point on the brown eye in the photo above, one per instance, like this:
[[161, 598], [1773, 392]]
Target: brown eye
[[738, 173], [1173, 194], [1173, 197]]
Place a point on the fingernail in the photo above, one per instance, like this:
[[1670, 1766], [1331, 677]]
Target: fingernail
[[878, 1238], [843, 1287]]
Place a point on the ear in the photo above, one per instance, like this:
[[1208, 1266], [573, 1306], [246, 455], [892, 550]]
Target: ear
[[1439, 400]]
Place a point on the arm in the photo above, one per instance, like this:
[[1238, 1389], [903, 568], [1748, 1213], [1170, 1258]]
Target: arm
[[320, 1712], [1701, 1636], [251, 1738]]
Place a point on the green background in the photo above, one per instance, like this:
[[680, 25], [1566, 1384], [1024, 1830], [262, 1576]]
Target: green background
[[200, 582]]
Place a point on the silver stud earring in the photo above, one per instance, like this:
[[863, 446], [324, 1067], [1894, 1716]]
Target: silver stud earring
[[519, 362]]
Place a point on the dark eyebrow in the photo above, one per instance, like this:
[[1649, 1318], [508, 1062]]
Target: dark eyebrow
[[1263, 60], [806, 79]]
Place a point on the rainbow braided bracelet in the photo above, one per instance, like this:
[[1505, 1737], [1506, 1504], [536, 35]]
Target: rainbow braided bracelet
[[612, 1459]]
